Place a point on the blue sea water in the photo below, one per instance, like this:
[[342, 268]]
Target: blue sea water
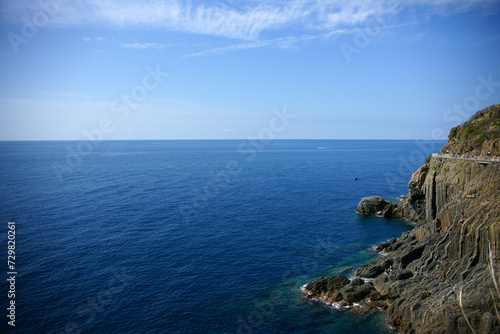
[[193, 236]]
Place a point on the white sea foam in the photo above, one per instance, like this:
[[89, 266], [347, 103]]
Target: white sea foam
[[350, 278]]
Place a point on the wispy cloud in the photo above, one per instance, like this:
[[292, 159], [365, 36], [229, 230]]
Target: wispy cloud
[[130, 45], [246, 21], [92, 39], [144, 46], [284, 42]]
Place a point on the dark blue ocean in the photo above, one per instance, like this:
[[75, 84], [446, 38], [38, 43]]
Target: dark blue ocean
[[192, 236]]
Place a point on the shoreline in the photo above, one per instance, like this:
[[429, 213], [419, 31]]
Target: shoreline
[[444, 271]]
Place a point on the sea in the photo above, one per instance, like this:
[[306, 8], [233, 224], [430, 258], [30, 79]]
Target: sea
[[191, 236]]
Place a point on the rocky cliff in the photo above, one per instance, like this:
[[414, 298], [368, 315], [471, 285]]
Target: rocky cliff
[[443, 276]]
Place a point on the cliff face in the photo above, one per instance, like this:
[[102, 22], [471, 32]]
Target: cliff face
[[445, 272], [450, 255]]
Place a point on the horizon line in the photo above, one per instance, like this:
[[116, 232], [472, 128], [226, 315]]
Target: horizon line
[[213, 139]]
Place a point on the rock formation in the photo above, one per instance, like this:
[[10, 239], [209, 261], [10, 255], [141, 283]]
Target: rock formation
[[444, 275], [372, 204]]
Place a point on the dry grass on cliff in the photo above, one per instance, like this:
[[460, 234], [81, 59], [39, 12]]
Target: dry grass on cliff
[[496, 284], [463, 311], [495, 281]]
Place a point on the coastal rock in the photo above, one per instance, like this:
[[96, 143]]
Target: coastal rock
[[393, 210], [446, 271], [403, 274], [357, 293], [329, 285], [371, 205], [383, 246], [376, 268], [340, 289], [370, 271]]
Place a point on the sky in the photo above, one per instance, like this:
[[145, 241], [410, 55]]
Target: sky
[[230, 69]]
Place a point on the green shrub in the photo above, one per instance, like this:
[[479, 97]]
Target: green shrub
[[453, 133], [480, 140]]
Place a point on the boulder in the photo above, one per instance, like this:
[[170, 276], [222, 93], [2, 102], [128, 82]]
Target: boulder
[[370, 271], [376, 268], [371, 205], [357, 282], [374, 295], [403, 274], [327, 285], [393, 210], [357, 293], [383, 246]]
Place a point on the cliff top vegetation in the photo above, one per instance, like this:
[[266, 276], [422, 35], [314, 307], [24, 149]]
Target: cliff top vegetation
[[479, 135]]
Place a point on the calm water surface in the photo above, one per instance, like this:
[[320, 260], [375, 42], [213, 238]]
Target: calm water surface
[[193, 236]]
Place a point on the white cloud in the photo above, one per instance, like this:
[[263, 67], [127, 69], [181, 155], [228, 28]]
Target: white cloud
[[284, 42], [97, 39], [144, 46], [245, 21], [235, 19]]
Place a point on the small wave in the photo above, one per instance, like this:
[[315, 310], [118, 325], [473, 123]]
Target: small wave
[[365, 279]]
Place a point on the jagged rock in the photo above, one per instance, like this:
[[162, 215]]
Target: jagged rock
[[375, 269], [357, 293], [370, 271], [357, 282], [409, 255], [371, 205], [444, 267], [383, 246], [326, 285], [337, 296], [380, 285], [403, 274], [374, 295], [392, 210]]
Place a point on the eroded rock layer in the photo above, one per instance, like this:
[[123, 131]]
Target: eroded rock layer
[[444, 275]]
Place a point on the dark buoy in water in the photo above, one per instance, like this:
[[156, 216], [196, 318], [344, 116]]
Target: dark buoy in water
[[355, 178]]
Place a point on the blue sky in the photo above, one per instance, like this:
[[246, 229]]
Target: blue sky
[[224, 69]]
